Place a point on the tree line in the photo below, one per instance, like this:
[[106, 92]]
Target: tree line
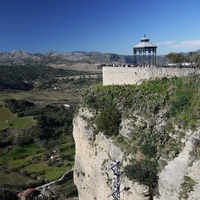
[[27, 77], [178, 58]]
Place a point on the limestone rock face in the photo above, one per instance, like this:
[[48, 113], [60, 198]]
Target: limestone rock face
[[178, 179], [185, 165], [93, 158]]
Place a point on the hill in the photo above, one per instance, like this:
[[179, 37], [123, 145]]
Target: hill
[[65, 59], [78, 60]]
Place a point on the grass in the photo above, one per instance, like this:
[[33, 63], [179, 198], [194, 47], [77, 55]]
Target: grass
[[10, 120], [35, 165], [5, 114], [24, 150], [3, 125], [180, 96], [46, 172], [31, 161], [11, 180], [13, 95], [44, 96], [22, 122], [18, 123]]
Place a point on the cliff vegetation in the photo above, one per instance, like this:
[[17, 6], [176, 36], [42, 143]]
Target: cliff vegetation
[[161, 115]]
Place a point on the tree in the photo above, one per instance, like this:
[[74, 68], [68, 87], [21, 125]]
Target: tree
[[176, 58], [193, 57], [197, 60]]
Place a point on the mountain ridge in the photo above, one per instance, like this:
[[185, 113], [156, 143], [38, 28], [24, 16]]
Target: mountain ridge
[[19, 57], [16, 57]]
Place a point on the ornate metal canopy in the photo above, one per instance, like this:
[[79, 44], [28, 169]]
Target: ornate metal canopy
[[145, 52]]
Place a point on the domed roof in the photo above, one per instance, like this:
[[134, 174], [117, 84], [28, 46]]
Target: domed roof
[[144, 43]]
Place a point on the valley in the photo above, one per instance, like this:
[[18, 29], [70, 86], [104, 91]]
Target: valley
[[57, 116], [36, 142]]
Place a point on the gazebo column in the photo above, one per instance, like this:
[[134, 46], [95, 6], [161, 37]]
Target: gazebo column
[[145, 57], [142, 57], [139, 57], [154, 56], [135, 56], [149, 56]]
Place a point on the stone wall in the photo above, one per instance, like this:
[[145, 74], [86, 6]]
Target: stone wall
[[134, 75]]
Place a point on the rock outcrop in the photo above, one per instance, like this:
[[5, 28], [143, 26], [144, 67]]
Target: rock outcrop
[[178, 179], [94, 155], [171, 182]]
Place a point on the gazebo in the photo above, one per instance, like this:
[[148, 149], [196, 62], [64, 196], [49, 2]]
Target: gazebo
[[144, 53]]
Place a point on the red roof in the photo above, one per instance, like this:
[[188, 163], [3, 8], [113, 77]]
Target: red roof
[[25, 193]]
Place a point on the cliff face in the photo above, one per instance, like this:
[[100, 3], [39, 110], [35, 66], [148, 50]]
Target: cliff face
[[94, 155], [179, 178]]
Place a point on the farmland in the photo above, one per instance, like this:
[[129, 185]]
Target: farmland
[[36, 143]]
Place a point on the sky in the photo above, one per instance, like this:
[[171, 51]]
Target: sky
[[107, 26]]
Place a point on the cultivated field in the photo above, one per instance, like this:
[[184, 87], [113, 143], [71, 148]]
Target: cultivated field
[[10, 120]]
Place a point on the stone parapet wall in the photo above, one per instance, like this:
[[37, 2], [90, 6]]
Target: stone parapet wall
[[134, 75]]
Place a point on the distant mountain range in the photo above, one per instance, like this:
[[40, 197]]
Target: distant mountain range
[[17, 57]]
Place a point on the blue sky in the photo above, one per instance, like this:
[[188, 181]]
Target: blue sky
[[108, 26]]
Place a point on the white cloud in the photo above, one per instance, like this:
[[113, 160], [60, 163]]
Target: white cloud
[[169, 42], [186, 44]]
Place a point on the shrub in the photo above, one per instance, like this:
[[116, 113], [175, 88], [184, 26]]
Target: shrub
[[186, 186], [148, 149], [179, 104], [144, 172], [108, 121]]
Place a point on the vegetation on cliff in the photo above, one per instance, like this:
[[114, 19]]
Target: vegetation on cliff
[[177, 97], [108, 121], [160, 111]]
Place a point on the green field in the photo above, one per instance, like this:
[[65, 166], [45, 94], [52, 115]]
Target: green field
[[31, 160], [5, 114], [27, 145], [22, 122], [10, 120], [3, 125], [44, 96]]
